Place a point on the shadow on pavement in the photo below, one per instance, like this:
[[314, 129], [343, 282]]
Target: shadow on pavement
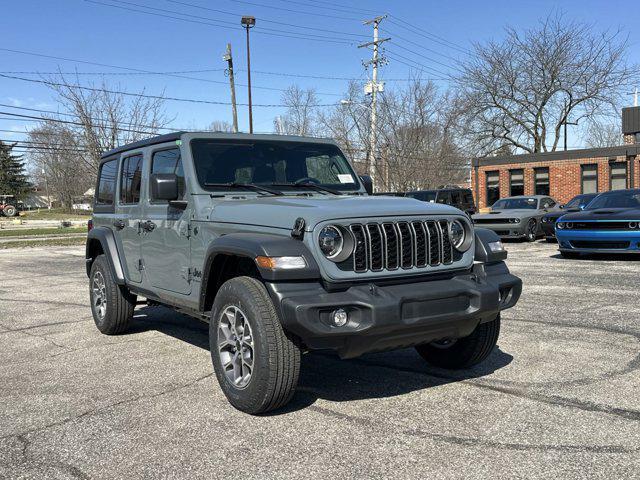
[[325, 375]]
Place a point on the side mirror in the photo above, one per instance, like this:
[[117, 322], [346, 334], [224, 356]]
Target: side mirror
[[582, 207], [367, 182], [561, 206], [164, 186]]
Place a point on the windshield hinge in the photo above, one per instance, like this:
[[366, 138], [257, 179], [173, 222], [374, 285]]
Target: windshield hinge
[[298, 229]]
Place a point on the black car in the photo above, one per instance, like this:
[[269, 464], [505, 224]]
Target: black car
[[461, 198], [577, 203]]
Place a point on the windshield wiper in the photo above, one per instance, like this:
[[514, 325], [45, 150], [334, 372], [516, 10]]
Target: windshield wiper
[[318, 188], [248, 186]]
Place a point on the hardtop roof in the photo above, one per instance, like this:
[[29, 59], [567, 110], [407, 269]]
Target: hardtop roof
[[173, 136]]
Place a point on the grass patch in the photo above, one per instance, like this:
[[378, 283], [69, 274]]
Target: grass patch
[[54, 214], [29, 232], [54, 242]]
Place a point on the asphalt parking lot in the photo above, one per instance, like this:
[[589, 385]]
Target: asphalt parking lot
[[559, 398]]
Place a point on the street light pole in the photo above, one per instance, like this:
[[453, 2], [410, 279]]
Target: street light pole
[[249, 22]]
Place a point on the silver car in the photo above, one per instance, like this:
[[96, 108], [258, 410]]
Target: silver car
[[517, 217]]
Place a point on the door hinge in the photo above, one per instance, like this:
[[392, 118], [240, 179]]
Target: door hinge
[[140, 264]]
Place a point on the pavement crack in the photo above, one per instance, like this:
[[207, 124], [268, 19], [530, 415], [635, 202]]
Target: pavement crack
[[470, 441], [99, 409]]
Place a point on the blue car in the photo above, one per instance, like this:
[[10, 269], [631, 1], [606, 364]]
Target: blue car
[[577, 203], [610, 225]]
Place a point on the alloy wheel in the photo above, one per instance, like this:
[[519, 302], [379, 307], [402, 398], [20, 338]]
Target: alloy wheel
[[99, 290], [235, 346]]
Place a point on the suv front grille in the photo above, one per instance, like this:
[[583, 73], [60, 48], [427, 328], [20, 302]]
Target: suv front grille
[[393, 245]]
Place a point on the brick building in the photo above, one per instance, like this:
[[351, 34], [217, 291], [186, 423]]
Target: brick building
[[562, 174]]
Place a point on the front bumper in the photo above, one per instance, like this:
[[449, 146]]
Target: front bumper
[[548, 229], [593, 241], [506, 230], [384, 317]]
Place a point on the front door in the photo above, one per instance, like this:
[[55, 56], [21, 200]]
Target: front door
[[165, 231], [127, 218]]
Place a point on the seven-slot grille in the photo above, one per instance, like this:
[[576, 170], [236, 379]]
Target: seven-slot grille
[[393, 245]]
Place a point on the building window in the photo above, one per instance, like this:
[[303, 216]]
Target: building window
[[541, 176], [493, 187], [589, 178], [618, 176], [516, 182]]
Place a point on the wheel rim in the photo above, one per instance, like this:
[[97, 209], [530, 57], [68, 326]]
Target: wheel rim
[[532, 229], [235, 346], [444, 344], [99, 290]]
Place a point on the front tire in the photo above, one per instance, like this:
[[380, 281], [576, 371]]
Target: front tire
[[256, 364], [464, 352], [531, 232], [112, 307]]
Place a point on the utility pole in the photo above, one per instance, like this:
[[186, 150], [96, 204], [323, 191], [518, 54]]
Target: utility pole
[[373, 87], [249, 22], [229, 59]]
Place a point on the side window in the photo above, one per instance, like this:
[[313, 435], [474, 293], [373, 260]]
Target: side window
[[547, 203], [107, 183], [169, 161], [456, 198], [444, 197], [130, 179], [468, 198]]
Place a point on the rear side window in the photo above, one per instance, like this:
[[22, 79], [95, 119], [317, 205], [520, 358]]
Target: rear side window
[[468, 197], [130, 178], [456, 198], [169, 161], [107, 183], [444, 197]]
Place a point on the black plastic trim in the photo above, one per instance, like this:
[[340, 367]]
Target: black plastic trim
[[108, 242]]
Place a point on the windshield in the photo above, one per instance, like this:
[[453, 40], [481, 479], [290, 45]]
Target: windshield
[[425, 196], [618, 199], [516, 204], [578, 200], [266, 162]]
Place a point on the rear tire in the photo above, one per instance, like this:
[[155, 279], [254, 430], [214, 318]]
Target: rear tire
[[256, 364], [464, 352], [112, 306], [9, 210]]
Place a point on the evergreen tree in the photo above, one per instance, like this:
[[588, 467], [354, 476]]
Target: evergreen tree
[[13, 179]]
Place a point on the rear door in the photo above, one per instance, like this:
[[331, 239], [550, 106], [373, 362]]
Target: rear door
[[165, 237], [128, 213]]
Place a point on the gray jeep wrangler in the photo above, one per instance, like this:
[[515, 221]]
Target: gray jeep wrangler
[[275, 242]]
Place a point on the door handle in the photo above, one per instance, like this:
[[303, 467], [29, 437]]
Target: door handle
[[119, 224], [148, 226]]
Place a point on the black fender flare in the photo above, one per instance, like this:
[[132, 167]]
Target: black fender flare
[[483, 253], [108, 243], [252, 245]]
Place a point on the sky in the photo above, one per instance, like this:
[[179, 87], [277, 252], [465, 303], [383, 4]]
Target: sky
[[292, 41]]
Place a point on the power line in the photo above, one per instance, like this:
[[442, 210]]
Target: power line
[[226, 12], [227, 25], [430, 36], [39, 110], [396, 36], [301, 12], [418, 66], [142, 95]]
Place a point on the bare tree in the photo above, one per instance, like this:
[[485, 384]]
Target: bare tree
[[416, 136], [108, 119], [602, 133], [300, 115], [220, 126], [57, 158], [522, 90]]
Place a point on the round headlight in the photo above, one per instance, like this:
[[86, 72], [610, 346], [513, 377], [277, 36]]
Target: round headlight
[[560, 225], [568, 225], [335, 243], [460, 235], [516, 220]]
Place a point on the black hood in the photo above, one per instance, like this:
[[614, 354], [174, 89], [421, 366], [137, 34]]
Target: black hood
[[604, 214], [557, 214]]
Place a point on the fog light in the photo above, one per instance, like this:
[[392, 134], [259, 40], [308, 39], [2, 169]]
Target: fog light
[[340, 317]]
